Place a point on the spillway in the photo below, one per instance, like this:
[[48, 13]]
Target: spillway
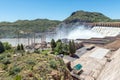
[[106, 31], [85, 32]]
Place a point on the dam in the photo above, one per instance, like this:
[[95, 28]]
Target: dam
[[106, 28], [88, 30], [106, 31]]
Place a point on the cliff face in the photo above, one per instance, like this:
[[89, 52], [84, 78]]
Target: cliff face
[[112, 69]]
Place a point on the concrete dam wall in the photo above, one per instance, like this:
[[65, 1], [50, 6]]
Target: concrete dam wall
[[106, 31]]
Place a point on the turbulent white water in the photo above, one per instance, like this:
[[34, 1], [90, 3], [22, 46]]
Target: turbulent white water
[[107, 31], [77, 32], [82, 32]]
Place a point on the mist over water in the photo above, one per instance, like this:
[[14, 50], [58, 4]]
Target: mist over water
[[70, 32], [76, 32]]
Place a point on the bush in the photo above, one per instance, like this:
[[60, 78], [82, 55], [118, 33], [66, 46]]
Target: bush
[[17, 77], [36, 51], [2, 49], [53, 64], [7, 46], [8, 55], [2, 57], [30, 62], [14, 70], [6, 61]]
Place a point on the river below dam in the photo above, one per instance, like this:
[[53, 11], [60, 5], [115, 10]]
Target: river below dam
[[24, 41]]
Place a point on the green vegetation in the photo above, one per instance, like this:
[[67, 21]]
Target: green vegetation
[[12, 29], [20, 47], [43, 66], [84, 16], [63, 48], [2, 49], [53, 44], [33, 66], [18, 77], [72, 48], [7, 46]]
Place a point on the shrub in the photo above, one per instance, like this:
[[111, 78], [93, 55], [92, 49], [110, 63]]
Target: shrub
[[18, 77], [36, 51], [2, 57], [2, 49], [6, 61], [53, 64], [30, 62], [14, 70], [7, 46], [8, 55]]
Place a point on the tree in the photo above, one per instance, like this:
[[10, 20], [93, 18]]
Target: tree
[[58, 41], [53, 44], [58, 48], [7, 46], [65, 48], [22, 47], [72, 48], [18, 47], [2, 49]]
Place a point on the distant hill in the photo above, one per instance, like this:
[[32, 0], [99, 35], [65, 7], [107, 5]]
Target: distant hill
[[84, 16], [9, 29]]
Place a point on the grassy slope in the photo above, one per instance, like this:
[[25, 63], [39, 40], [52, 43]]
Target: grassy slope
[[33, 66]]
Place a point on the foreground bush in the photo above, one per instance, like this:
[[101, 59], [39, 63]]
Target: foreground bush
[[2, 49]]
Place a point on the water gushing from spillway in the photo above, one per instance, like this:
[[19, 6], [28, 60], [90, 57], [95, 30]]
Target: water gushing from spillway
[[76, 32], [107, 31], [83, 32]]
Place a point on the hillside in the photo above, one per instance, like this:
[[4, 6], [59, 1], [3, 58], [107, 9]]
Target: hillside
[[32, 67], [9, 29], [84, 16]]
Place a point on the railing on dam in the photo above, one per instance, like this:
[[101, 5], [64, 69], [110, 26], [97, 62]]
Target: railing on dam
[[104, 24]]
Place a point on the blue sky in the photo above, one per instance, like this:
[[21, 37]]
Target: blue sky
[[12, 10]]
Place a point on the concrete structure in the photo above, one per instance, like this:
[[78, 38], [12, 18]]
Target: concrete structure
[[92, 66], [112, 69], [106, 31], [99, 53], [105, 24]]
